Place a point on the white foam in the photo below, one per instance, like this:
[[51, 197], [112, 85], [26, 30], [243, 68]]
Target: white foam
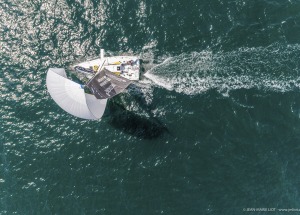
[[273, 68]]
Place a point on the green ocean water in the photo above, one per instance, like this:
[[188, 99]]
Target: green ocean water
[[212, 128]]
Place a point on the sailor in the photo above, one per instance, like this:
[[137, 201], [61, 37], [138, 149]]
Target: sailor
[[130, 62], [122, 67]]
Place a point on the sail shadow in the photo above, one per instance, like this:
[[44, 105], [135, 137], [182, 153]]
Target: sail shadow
[[134, 124]]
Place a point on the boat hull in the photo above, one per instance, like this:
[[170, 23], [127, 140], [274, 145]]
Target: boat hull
[[124, 66]]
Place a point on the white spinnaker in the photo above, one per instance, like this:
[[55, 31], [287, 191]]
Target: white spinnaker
[[71, 97]]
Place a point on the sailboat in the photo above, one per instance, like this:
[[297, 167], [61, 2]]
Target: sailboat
[[104, 78]]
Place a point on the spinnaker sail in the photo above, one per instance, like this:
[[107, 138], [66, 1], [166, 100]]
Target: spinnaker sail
[[71, 97]]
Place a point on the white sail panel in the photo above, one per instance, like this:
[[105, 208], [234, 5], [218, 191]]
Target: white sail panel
[[71, 97], [96, 106]]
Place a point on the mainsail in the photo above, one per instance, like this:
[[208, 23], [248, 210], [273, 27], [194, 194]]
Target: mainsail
[[106, 84]]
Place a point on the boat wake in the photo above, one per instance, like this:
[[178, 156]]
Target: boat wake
[[273, 68]]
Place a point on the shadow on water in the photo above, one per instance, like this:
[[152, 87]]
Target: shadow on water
[[134, 124]]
